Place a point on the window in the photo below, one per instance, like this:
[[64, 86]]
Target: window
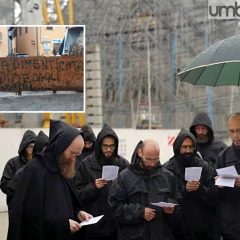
[[26, 29], [49, 28]]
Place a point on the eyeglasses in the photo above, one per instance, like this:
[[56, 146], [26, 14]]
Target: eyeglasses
[[73, 153], [185, 147], [150, 160], [106, 147]]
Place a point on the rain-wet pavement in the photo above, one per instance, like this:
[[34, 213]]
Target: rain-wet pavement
[[60, 101]]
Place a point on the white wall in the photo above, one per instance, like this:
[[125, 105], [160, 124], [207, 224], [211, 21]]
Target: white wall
[[128, 139]]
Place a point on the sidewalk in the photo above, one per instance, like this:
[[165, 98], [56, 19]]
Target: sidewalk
[[48, 103], [3, 225]]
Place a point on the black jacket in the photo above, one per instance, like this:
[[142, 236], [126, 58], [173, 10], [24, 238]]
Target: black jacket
[[197, 216], [209, 150], [88, 135], [41, 142], [96, 200], [229, 207], [133, 191], [44, 204], [14, 164]]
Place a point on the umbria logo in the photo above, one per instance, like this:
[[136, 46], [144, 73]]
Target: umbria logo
[[223, 9]]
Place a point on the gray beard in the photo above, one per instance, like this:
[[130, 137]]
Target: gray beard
[[67, 170], [202, 139]]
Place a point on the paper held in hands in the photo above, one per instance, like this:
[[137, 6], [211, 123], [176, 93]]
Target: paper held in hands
[[164, 204], [193, 173], [110, 172], [91, 221], [227, 176]]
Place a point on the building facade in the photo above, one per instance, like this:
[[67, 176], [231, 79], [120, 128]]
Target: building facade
[[37, 41]]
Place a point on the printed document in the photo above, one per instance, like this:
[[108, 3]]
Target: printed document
[[193, 173], [164, 204], [91, 221], [227, 176], [110, 172]]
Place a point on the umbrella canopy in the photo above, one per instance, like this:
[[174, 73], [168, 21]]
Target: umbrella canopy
[[218, 65]]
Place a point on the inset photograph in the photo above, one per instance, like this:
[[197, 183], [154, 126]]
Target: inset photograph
[[42, 68]]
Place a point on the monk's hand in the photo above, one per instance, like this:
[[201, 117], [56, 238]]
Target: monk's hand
[[100, 183], [74, 226], [168, 210], [192, 186], [84, 216], [149, 214], [237, 181]]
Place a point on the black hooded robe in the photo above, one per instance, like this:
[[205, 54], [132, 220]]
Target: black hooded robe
[[88, 135], [229, 205], [134, 190], [209, 150], [46, 201], [197, 219], [41, 142], [14, 164], [96, 200]]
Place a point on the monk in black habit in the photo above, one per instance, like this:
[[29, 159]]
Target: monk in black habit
[[45, 205]]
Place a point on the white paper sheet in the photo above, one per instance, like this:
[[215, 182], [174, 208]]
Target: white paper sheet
[[91, 221], [227, 176], [226, 182], [110, 172], [164, 204], [227, 172], [193, 173]]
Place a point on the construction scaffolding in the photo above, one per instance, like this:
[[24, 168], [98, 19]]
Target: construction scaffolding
[[143, 44]]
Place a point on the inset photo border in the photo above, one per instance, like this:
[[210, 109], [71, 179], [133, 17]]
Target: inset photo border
[[42, 68]]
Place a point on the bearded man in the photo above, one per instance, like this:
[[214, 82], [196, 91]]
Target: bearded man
[[197, 216], [206, 144], [46, 206], [93, 190]]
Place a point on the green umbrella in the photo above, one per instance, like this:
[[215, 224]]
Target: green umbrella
[[218, 65]]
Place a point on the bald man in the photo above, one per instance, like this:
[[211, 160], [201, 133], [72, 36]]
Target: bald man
[[229, 207], [144, 182]]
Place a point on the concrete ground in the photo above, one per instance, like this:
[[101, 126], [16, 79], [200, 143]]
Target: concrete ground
[[47, 102], [3, 225]]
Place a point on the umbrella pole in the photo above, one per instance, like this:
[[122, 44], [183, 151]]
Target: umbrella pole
[[210, 102], [231, 101]]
